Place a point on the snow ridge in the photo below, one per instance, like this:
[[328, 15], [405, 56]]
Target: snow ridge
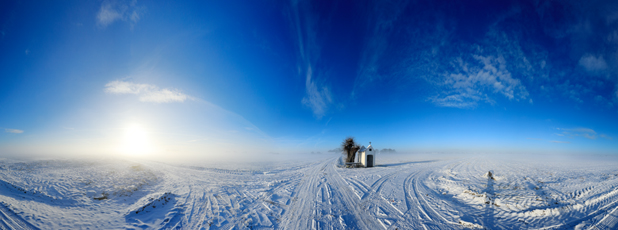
[[401, 192]]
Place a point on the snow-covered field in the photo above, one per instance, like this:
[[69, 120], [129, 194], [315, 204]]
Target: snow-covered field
[[404, 191]]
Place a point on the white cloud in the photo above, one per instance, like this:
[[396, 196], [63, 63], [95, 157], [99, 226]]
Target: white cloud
[[458, 100], [112, 11], [611, 17], [560, 142], [572, 90], [603, 101], [381, 26], [135, 17], [146, 92], [613, 37], [108, 14], [317, 98], [473, 83], [163, 96], [123, 87], [16, 131], [580, 132], [606, 137], [592, 63]]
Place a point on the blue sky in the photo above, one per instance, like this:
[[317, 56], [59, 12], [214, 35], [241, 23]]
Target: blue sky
[[236, 78]]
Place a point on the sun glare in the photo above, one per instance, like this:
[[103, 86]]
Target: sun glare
[[136, 141]]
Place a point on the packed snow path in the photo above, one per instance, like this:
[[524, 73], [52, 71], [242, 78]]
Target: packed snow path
[[402, 192]]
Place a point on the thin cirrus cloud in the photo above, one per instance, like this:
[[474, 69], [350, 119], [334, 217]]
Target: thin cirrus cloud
[[474, 82], [551, 141], [582, 132], [606, 137], [112, 11], [592, 63], [560, 142], [16, 131], [376, 46], [146, 92], [493, 69], [318, 99], [317, 96], [499, 64]]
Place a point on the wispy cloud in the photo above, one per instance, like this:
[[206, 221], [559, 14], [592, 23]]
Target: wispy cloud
[[109, 13], [560, 142], [593, 63], [16, 131], [318, 99], [460, 74], [589, 28], [503, 63], [317, 94], [603, 101], [382, 24], [572, 91], [458, 100], [146, 92], [551, 141], [474, 82], [582, 132], [112, 11]]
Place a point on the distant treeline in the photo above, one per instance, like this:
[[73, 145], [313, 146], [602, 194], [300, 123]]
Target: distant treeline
[[339, 150], [388, 151]]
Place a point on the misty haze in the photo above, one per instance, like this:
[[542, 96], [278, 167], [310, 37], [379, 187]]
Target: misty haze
[[298, 114]]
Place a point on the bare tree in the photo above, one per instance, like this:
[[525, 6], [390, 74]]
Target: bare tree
[[350, 148]]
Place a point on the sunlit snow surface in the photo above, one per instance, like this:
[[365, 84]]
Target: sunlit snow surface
[[405, 191]]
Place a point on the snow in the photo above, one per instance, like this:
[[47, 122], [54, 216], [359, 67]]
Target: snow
[[404, 191]]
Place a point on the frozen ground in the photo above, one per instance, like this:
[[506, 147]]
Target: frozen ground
[[433, 191]]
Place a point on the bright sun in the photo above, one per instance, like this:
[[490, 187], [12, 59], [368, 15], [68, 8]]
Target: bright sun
[[136, 141]]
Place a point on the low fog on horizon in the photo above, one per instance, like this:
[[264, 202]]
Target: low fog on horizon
[[243, 81], [305, 114]]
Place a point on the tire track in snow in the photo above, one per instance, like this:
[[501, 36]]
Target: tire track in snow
[[356, 185], [609, 221], [377, 185], [301, 213], [609, 218], [412, 201], [420, 208], [385, 212], [307, 212], [10, 220], [358, 209], [436, 196], [221, 200]]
